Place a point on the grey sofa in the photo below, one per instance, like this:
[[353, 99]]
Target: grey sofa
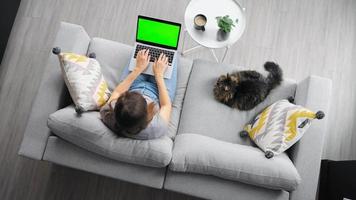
[[202, 155]]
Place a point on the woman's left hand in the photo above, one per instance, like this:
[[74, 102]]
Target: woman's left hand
[[160, 65], [142, 60]]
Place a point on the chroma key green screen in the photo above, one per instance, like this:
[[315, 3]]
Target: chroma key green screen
[[152, 31]]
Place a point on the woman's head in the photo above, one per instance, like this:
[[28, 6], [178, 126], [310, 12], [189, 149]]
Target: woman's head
[[131, 113]]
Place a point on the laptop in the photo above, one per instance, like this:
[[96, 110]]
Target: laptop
[[159, 36]]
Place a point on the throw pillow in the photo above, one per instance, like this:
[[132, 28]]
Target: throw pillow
[[279, 126], [84, 80]]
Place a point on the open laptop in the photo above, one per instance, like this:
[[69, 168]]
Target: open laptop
[[159, 36]]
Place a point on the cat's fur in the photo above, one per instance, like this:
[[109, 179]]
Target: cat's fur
[[246, 89]]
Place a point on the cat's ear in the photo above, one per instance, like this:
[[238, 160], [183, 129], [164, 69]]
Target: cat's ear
[[222, 77], [227, 76]]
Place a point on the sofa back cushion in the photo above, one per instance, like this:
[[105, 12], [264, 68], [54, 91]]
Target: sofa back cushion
[[204, 115], [113, 58]]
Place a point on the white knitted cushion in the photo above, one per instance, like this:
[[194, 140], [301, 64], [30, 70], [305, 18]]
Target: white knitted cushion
[[279, 126], [84, 80]]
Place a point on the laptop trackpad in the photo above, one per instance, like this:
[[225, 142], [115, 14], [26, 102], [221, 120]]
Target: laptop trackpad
[[167, 73]]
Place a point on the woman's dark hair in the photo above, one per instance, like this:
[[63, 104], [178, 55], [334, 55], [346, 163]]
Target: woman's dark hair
[[131, 113]]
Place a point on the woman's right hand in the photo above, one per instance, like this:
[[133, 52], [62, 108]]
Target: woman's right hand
[[142, 60], [160, 65]]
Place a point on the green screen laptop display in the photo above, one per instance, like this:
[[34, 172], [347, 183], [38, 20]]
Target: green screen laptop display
[[157, 32]]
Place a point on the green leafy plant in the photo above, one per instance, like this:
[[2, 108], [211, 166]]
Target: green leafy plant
[[225, 23]]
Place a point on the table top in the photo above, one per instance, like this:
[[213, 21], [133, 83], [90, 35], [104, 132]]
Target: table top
[[211, 9]]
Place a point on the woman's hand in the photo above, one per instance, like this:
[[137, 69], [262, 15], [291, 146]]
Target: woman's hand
[[142, 60], [160, 66]]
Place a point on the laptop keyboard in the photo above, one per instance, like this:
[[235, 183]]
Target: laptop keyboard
[[155, 52]]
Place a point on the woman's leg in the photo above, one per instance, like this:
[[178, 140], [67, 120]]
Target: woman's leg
[[171, 83]]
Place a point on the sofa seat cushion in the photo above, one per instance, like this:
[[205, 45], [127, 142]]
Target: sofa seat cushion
[[205, 155], [204, 115], [88, 131], [114, 57]]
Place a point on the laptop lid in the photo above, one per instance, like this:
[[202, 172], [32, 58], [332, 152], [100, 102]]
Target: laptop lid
[[157, 32]]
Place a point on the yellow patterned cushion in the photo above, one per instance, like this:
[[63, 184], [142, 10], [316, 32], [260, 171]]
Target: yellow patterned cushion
[[279, 126], [84, 80]]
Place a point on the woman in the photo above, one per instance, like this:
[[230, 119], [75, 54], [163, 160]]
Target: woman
[[141, 105]]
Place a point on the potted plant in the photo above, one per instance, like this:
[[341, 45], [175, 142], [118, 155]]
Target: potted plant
[[225, 24]]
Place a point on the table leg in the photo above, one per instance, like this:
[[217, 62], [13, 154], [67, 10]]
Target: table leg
[[226, 50], [191, 49], [213, 52], [183, 52]]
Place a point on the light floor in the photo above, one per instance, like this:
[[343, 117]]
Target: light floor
[[303, 36]]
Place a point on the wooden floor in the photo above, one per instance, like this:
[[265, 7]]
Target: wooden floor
[[303, 36]]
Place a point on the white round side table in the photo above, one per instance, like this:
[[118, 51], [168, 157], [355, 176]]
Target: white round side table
[[208, 38]]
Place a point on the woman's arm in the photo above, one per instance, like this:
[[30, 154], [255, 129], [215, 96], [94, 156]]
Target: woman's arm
[[142, 60], [159, 67]]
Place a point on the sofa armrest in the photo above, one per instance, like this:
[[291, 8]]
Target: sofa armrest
[[314, 93], [52, 91]]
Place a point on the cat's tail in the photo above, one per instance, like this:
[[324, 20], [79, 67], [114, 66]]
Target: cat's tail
[[275, 76]]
